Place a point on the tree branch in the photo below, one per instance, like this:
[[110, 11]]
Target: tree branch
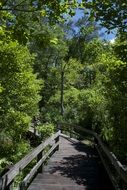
[[21, 10], [5, 3], [19, 4]]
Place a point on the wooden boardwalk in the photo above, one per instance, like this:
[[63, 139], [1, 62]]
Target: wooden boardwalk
[[74, 167]]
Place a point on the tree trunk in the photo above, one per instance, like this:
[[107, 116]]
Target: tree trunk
[[62, 92]]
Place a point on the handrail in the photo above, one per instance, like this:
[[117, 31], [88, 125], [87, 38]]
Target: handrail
[[122, 172], [18, 167]]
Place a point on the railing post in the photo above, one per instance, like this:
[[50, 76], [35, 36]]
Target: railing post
[[58, 127], [57, 140], [0, 183], [10, 186], [39, 157], [34, 130], [21, 186]]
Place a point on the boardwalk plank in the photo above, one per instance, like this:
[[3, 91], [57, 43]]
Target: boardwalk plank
[[74, 167]]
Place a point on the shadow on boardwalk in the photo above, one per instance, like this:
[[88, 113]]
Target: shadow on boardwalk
[[75, 166], [84, 168]]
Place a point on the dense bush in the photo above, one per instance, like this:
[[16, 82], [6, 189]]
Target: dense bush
[[46, 130], [19, 97]]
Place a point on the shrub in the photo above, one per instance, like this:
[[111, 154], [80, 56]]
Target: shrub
[[46, 130]]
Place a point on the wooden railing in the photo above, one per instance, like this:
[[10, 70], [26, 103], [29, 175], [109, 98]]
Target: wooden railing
[[48, 147], [116, 171]]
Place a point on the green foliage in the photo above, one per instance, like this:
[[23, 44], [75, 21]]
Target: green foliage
[[85, 38], [81, 79], [118, 104], [110, 113], [4, 163], [19, 96], [46, 130], [71, 76], [21, 149], [112, 14], [120, 47], [70, 103], [54, 10]]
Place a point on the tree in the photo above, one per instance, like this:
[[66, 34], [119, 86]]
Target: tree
[[49, 44], [120, 46], [117, 104], [107, 103], [71, 73], [19, 95], [111, 14], [50, 9], [83, 31]]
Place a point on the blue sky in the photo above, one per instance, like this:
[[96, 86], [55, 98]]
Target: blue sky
[[105, 36]]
